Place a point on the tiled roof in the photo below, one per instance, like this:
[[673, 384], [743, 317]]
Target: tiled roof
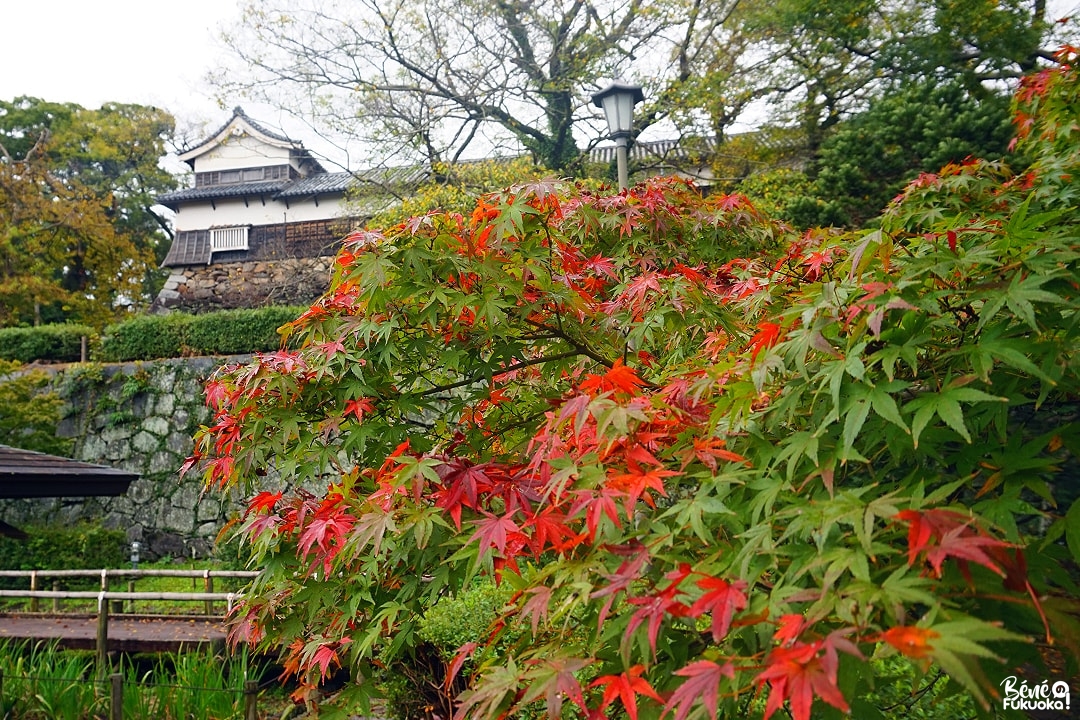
[[238, 112], [189, 247], [320, 184], [213, 192]]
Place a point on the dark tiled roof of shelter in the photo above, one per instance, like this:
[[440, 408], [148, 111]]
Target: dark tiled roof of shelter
[[214, 192], [27, 474]]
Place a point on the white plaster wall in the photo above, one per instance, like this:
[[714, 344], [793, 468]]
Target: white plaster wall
[[241, 151], [233, 212]]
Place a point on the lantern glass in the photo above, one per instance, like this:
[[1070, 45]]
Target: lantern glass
[[617, 101]]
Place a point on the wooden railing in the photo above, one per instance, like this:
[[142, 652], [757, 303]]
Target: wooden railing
[[104, 596], [131, 575]]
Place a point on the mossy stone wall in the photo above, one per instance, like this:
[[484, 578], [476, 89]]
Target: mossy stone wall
[[140, 417]]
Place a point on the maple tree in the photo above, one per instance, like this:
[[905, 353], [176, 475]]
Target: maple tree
[[721, 465]]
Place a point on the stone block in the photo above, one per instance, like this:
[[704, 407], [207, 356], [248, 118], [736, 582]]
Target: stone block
[[165, 462], [156, 425], [165, 404], [116, 433], [180, 520], [141, 491], [179, 443], [93, 449], [145, 443]]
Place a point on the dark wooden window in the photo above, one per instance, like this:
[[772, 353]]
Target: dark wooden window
[[245, 175]]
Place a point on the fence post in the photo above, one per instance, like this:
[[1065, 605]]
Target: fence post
[[56, 600], [208, 584], [251, 697], [33, 587], [102, 635], [117, 682]]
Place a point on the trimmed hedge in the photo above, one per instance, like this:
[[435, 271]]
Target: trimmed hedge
[[144, 338], [59, 343], [230, 332], [59, 547], [227, 332]]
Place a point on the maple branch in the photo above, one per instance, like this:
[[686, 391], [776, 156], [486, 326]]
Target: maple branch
[[510, 368], [579, 348]]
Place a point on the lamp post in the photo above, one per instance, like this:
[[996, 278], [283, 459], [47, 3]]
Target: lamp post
[[618, 100]]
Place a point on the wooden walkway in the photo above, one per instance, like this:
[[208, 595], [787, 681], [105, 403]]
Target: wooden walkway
[[127, 633]]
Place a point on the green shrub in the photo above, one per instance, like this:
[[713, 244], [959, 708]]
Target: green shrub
[[145, 338], [58, 547], [416, 685], [226, 332], [29, 412], [58, 343], [231, 332]]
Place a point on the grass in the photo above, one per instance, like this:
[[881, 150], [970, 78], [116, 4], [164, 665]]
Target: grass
[[43, 682]]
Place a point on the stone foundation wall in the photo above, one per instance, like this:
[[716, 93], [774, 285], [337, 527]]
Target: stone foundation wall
[[254, 283], [139, 417]]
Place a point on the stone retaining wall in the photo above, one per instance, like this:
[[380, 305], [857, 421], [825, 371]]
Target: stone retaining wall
[[138, 417], [253, 283]]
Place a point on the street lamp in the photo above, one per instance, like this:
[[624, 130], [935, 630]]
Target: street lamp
[[618, 100]]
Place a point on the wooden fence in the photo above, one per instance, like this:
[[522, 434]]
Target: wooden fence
[[105, 596]]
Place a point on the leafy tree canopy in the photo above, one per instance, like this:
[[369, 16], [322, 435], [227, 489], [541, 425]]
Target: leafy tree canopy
[[867, 160], [441, 81], [78, 237], [706, 479]]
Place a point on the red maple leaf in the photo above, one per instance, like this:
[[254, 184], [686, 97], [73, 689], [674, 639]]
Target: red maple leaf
[[359, 408], [637, 481], [723, 600], [596, 505], [550, 530], [797, 674], [326, 531], [618, 378], [216, 394], [323, 658], [702, 683], [942, 534], [492, 531], [766, 336], [620, 580], [331, 348], [263, 501], [655, 608], [815, 262], [536, 607], [625, 686], [911, 641], [463, 653]]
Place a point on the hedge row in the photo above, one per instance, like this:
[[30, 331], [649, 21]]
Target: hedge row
[[148, 337], [59, 343], [227, 332], [59, 547]]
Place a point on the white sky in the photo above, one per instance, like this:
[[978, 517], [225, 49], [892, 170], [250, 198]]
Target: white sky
[[88, 52], [150, 52]]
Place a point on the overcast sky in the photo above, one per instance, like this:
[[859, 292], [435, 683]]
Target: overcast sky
[[150, 52]]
